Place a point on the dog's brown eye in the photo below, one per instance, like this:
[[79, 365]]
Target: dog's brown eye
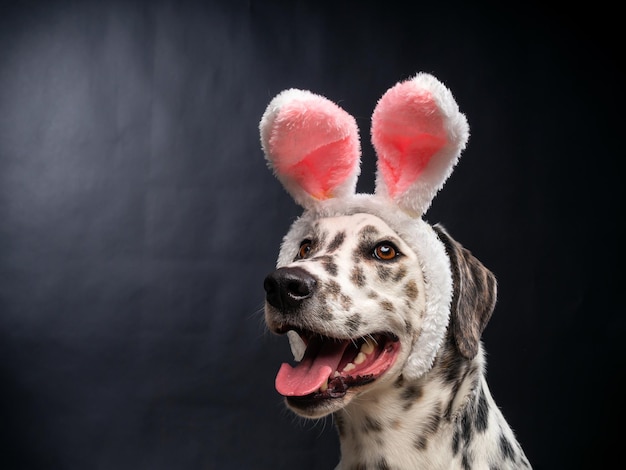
[[305, 249], [385, 251]]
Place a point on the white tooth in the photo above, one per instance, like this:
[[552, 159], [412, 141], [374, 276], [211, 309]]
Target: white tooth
[[349, 366], [360, 358], [336, 374], [297, 345], [324, 386], [367, 347]]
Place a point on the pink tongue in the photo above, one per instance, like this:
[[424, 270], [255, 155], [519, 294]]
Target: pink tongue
[[319, 361]]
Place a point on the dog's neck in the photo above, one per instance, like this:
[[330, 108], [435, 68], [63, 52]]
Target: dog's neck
[[402, 423]]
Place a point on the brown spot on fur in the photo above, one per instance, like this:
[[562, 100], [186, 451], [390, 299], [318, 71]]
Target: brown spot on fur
[[354, 323], [336, 242], [372, 294], [346, 301], [410, 289], [387, 306], [399, 274], [323, 312], [333, 288], [358, 276], [367, 238], [367, 232], [384, 272], [328, 263]]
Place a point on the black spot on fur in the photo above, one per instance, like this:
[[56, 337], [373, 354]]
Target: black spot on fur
[[408, 326], [431, 425], [354, 322], [372, 425], [382, 464], [358, 276], [336, 242], [482, 412], [452, 366], [456, 441], [466, 427], [466, 462], [421, 443], [399, 381], [506, 448], [410, 395]]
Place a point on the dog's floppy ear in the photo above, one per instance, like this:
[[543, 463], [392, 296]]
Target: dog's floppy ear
[[312, 145], [473, 297], [418, 133]]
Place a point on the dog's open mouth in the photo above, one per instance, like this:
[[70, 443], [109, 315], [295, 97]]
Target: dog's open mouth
[[330, 366]]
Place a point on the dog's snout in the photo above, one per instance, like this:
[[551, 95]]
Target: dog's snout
[[287, 288]]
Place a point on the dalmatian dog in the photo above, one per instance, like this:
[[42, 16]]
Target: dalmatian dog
[[383, 312]]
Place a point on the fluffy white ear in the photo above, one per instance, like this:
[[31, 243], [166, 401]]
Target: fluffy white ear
[[312, 145], [418, 133]]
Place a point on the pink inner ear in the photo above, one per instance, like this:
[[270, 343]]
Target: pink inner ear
[[315, 143], [325, 168], [405, 158], [407, 130]]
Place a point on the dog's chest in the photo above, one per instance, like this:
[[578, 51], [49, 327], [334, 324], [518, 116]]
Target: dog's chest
[[402, 427]]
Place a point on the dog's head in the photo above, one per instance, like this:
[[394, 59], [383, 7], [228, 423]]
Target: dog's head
[[364, 287]]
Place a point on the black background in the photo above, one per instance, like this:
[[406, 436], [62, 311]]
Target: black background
[[138, 219]]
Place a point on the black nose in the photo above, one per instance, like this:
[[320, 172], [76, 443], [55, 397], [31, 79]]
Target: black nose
[[287, 288]]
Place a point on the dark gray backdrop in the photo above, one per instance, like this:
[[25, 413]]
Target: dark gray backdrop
[[138, 219]]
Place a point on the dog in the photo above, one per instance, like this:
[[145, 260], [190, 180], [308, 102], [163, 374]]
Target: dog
[[383, 311]]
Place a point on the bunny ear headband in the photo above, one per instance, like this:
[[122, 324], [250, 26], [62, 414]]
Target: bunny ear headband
[[312, 146]]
